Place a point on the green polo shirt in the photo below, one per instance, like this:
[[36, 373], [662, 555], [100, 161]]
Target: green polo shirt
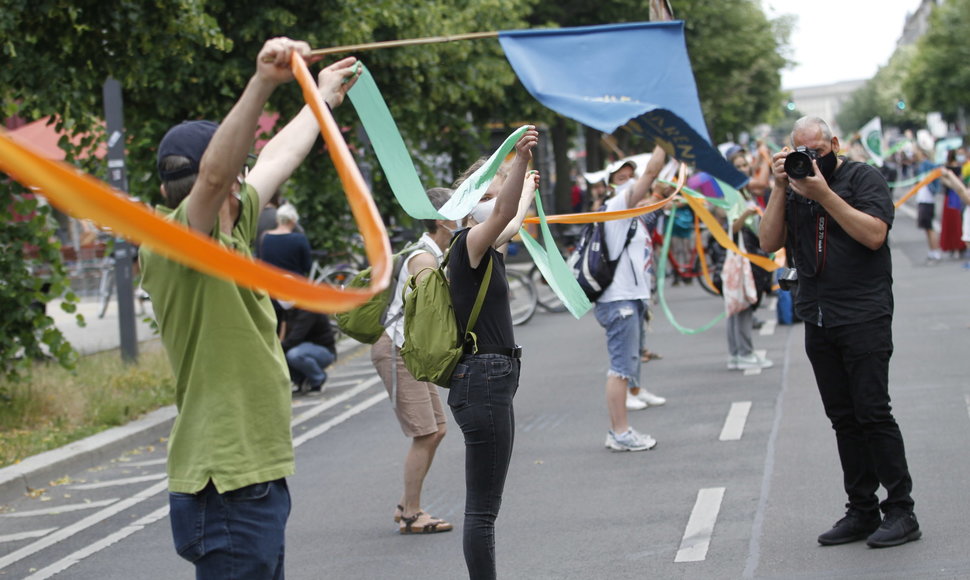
[[232, 383]]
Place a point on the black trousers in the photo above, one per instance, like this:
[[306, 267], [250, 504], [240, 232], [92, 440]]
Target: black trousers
[[851, 365]]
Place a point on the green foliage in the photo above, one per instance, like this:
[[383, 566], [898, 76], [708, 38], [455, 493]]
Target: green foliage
[[938, 79], [31, 274]]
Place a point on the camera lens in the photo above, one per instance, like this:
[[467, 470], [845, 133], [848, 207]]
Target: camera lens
[[798, 165]]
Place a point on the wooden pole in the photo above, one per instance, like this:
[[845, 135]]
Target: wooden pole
[[405, 42]]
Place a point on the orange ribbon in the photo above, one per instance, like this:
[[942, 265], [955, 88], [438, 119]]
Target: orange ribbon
[[930, 177], [84, 196]]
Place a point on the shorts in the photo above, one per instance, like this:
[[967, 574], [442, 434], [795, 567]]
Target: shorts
[[416, 403], [622, 320], [925, 212]]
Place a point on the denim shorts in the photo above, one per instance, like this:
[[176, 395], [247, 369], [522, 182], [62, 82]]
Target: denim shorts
[[622, 320]]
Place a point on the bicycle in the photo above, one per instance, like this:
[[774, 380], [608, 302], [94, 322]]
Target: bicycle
[[522, 296], [545, 297], [336, 274], [692, 267]]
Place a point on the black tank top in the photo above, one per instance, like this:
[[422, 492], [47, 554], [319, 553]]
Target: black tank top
[[494, 326]]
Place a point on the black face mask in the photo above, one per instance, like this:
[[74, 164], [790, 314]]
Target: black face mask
[[827, 164]]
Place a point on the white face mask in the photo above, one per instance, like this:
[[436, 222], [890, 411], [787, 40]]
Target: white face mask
[[481, 211], [622, 189]]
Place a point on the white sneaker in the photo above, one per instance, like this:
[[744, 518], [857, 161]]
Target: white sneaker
[[733, 363], [629, 440], [753, 361], [633, 403], [649, 398]]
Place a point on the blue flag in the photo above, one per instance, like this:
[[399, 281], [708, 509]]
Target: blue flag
[[634, 75]]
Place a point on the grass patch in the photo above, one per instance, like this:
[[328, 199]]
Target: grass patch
[[53, 407]]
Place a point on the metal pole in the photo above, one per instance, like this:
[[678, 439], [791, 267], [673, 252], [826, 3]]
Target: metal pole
[[124, 252]]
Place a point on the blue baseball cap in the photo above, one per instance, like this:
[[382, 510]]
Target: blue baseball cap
[[188, 139]]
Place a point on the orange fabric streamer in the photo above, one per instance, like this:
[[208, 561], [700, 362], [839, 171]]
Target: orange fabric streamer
[[84, 196], [930, 177], [605, 216], [723, 238]]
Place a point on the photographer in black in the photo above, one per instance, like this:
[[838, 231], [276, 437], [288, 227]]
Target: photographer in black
[[835, 221]]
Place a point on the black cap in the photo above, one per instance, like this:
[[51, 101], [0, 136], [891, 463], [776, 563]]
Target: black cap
[[188, 139]]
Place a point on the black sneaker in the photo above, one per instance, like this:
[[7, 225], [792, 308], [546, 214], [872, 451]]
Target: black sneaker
[[855, 526], [899, 527]]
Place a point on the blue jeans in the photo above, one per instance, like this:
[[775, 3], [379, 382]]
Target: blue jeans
[[851, 365], [482, 388], [237, 535], [623, 321], [307, 361]]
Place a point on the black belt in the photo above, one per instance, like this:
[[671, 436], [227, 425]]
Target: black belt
[[503, 350]]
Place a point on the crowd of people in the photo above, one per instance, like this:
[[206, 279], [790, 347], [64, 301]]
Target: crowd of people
[[238, 355]]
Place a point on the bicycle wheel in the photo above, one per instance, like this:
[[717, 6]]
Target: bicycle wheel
[[545, 297], [703, 281], [339, 278], [105, 289], [522, 296]]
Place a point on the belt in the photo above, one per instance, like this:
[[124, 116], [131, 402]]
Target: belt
[[502, 350]]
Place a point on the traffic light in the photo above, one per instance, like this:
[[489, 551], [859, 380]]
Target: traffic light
[[901, 105], [790, 106]]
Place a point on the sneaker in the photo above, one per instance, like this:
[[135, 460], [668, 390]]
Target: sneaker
[[855, 526], [633, 403], [732, 363], [899, 526], [629, 440], [753, 361], [649, 398]]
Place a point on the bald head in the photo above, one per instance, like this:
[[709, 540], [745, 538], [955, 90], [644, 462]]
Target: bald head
[[810, 129]]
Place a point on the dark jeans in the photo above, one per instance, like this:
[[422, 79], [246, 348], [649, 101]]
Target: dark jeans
[[851, 365], [237, 535], [482, 389]]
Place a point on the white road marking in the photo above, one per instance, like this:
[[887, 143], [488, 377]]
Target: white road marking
[[60, 509], [162, 486], [734, 423], [700, 526], [70, 560], [967, 399], [117, 482], [324, 427], [25, 535], [82, 525], [768, 326]]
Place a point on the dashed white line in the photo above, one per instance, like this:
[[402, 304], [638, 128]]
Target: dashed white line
[[60, 509], [967, 399], [734, 423], [335, 401], [700, 526], [117, 482], [324, 427]]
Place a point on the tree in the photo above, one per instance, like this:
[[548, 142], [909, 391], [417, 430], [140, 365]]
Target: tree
[[938, 79], [880, 97]]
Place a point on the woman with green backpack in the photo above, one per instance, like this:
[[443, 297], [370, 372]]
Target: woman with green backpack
[[487, 376]]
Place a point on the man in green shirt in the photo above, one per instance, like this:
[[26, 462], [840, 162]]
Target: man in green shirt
[[231, 446]]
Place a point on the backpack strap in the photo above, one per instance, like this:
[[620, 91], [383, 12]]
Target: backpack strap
[[477, 308], [404, 254]]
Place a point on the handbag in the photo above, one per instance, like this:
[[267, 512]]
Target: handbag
[[738, 286]]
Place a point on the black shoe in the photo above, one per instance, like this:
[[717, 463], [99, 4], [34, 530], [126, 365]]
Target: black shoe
[[855, 526], [899, 527]]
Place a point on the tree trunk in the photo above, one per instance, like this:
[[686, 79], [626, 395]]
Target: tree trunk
[[559, 131]]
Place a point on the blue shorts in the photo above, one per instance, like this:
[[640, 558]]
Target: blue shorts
[[622, 320]]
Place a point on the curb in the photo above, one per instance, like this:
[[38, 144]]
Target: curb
[[37, 471]]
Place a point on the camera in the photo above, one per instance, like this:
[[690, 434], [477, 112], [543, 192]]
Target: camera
[[788, 280], [798, 163]]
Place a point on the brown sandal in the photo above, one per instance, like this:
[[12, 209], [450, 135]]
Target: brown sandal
[[398, 513], [433, 527]]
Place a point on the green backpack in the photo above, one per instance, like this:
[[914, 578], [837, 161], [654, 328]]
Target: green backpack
[[366, 322], [433, 344]]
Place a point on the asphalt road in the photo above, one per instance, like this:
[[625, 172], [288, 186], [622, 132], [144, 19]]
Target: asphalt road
[[744, 478]]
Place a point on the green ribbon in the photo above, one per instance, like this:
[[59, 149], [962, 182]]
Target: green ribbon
[[554, 268], [395, 159], [662, 276]]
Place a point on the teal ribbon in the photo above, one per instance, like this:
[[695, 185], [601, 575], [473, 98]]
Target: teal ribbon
[[395, 159], [554, 268], [662, 276]]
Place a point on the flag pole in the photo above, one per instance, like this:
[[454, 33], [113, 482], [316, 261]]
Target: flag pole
[[405, 42]]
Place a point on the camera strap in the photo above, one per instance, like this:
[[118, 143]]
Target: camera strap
[[820, 229]]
